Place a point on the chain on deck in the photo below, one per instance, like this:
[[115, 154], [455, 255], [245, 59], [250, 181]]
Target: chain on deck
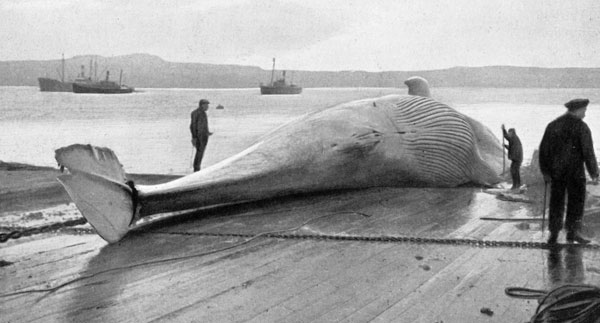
[[395, 239], [25, 232], [16, 234]]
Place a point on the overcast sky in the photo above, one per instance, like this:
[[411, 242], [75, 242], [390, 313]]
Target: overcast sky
[[378, 35]]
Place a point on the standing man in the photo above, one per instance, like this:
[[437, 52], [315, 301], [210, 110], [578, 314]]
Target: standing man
[[566, 147], [515, 154], [200, 133]]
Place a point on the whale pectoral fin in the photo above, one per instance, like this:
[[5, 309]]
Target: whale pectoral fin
[[418, 86], [360, 143]]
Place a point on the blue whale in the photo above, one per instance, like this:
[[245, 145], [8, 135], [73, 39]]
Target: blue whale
[[395, 140]]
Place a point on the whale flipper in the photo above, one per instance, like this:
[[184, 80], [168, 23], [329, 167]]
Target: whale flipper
[[418, 86], [361, 143]]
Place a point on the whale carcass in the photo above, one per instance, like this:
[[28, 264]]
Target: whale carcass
[[395, 140]]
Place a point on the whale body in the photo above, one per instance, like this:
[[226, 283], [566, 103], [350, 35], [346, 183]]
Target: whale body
[[395, 140]]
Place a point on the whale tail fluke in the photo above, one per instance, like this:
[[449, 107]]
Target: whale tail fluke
[[98, 186]]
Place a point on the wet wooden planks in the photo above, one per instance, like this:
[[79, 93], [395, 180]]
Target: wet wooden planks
[[277, 280]]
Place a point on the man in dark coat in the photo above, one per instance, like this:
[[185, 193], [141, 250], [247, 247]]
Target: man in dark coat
[[200, 133], [515, 154], [566, 147]]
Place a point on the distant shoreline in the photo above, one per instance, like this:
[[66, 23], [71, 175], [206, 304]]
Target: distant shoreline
[[13, 166], [257, 89], [25, 187], [150, 71]]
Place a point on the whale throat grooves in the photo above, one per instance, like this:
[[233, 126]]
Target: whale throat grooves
[[439, 139]]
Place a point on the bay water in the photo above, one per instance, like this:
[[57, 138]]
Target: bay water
[[149, 130]]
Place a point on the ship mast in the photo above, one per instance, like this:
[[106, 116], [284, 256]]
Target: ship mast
[[91, 70], [62, 76], [273, 71]]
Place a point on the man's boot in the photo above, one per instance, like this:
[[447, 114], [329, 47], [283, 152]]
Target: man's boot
[[576, 237]]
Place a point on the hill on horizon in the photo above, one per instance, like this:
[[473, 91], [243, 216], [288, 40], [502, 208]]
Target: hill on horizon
[[151, 71]]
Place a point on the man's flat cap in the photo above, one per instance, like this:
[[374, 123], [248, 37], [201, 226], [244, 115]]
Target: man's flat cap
[[577, 104], [203, 101]]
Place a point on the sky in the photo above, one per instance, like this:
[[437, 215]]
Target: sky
[[315, 35]]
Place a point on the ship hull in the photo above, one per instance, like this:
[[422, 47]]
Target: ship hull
[[52, 85], [266, 90], [98, 88]]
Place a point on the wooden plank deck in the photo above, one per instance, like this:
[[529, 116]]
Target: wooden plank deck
[[297, 280]]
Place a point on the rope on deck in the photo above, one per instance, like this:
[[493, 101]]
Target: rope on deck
[[568, 303]]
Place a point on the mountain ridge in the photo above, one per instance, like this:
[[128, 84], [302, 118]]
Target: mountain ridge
[[150, 71]]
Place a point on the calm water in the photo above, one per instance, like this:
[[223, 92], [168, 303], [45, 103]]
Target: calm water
[[149, 130]]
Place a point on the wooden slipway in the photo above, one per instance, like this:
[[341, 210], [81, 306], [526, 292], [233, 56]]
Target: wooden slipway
[[298, 280]]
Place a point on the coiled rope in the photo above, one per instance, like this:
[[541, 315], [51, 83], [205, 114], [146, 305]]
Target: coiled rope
[[568, 303]]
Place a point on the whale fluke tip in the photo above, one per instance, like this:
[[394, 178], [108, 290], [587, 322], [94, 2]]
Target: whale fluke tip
[[91, 159]]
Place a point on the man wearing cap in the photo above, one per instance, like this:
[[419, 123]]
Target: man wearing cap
[[565, 148], [200, 133]]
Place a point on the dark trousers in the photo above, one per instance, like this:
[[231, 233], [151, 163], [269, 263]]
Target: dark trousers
[[515, 173], [200, 147], [575, 192]]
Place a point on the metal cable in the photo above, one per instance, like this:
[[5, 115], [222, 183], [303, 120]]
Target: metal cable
[[16, 234], [389, 239]]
